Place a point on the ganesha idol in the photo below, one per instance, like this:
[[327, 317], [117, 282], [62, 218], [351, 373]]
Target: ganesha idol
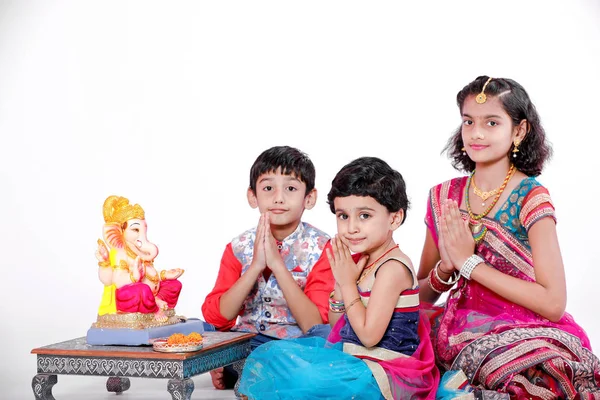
[[136, 295]]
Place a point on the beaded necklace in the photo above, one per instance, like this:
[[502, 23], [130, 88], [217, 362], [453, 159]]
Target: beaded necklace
[[478, 229], [367, 270]]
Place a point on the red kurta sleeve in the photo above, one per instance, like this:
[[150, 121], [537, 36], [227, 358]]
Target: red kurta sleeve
[[320, 283], [229, 272]]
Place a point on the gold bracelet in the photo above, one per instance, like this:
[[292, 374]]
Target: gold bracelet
[[131, 277], [353, 302], [162, 275]]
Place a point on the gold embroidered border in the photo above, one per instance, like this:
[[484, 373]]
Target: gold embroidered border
[[514, 353], [539, 391], [381, 378], [463, 337], [537, 214], [495, 378], [499, 230], [435, 208], [556, 368], [457, 380], [372, 352], [534, 202], [411, 300], [510, 255], [445, 189], [436, 203]]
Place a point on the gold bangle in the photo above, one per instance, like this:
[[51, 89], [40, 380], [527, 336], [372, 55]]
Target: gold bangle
[[438, 264], [131, 277], [450, 282], [353, 302], [162, 275]]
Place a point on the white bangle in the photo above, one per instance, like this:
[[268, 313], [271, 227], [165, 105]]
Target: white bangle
[[450, 281], [469, 265]]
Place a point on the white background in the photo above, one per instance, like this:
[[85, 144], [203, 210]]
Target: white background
[[169, 104]]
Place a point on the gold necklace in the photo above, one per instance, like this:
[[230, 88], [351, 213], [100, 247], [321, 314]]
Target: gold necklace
[[477, 228], [484, 195], [367, 270]]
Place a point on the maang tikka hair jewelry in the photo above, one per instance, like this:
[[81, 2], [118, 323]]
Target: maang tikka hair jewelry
[[481, 97]]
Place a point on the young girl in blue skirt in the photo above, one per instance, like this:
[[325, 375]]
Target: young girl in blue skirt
[[379, 346]]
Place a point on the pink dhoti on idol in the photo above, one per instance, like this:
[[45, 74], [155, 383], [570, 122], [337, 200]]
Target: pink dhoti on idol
[[169, 292], [138, 297]]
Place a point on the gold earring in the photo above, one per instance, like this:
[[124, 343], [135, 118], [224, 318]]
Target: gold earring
[[464, 151], [516, 149]]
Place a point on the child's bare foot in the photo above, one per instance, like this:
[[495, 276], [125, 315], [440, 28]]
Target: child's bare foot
[[218, 379]]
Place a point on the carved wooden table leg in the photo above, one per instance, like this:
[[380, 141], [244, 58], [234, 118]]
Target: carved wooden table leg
[[180, 389], [117, 384], [238, 366], [42, 386]]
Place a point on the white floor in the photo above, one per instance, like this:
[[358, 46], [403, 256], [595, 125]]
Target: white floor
[[94, 388]]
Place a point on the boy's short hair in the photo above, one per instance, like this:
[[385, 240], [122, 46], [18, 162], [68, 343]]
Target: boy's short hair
[[291, 161], [372, 177]]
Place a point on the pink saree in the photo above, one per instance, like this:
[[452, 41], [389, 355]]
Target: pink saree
[[505, 350]]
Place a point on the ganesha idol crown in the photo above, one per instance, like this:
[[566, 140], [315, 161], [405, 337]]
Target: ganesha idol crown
[[136, 295]]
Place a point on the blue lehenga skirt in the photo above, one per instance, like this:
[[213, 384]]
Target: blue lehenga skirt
[[306, 368]]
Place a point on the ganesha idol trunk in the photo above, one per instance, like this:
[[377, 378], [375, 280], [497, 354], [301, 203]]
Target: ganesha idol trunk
[[138, 302]]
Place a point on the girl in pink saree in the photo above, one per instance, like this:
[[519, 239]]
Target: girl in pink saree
[[503, 332]]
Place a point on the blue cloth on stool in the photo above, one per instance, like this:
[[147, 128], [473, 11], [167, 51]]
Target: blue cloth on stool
[[137, 337]]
